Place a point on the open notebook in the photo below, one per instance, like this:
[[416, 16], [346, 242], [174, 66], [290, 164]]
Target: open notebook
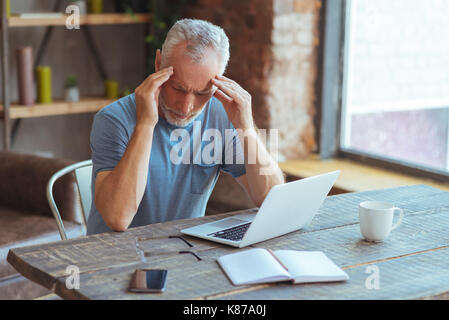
[[262, 266]]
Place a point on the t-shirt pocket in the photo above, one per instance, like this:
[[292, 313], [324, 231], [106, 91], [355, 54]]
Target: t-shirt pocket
[[202, 177]]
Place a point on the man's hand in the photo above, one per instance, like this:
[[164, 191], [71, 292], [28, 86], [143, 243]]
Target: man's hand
[[118, 192], [236, 101], [147, 97]]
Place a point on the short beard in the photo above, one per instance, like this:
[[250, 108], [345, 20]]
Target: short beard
[[173, 121]]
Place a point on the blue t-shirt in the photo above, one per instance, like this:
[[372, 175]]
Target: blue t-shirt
[[181, 175]]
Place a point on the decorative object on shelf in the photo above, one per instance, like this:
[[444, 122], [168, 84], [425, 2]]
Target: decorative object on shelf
[[71, 91], [42, 87], [41, 15], [81, 5], [95, 6], [44, 84], [111, 88], [8, 8], [25, 76], [126, 92]]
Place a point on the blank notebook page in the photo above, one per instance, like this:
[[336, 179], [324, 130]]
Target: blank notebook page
[[309, 263], [252, 265]]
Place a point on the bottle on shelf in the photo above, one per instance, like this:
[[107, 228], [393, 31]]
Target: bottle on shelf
[[25, 76], [96, 6], [44, 84], [111, 89]]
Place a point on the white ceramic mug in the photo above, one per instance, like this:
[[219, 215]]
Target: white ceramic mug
[[376, 219]]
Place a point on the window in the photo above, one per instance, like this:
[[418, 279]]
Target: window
[[395, 87]]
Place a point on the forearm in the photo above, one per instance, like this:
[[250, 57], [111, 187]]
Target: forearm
[[262, 170], [120, 193]]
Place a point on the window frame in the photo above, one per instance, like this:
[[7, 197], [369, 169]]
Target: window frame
[[331, 90]]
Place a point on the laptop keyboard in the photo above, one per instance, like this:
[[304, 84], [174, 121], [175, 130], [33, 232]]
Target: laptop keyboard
[[234, 233]]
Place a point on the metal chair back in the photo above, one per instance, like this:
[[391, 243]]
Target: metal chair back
[[83, 174]]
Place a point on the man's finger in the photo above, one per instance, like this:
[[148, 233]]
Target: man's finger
[[220, 95], [155, 77], [223, 78], [162, 72], [154, 83], [229, 89], [157, 82], [158, 74]]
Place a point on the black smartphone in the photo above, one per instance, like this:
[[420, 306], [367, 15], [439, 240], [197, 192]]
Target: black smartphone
[[148, 280]]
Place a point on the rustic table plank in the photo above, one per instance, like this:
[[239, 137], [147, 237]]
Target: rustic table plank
[[344, 245], [118, 248], [417, 276], [42, 263], [187, 278], [107, 261], [342, 209]]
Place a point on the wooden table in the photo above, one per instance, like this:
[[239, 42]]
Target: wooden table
[[412, 263]]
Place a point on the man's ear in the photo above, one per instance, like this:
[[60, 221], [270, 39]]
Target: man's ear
[[157, 61]]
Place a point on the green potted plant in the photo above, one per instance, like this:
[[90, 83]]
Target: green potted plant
[[163, 15], [71, 91]]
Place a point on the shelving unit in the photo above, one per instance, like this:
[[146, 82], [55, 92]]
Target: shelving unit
[[14, 112], [89, 19], [85, 105]]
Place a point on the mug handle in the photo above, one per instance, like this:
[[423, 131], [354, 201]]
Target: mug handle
[[401, 215]]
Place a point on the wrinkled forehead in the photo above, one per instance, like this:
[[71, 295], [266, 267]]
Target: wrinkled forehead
[[194, 75]]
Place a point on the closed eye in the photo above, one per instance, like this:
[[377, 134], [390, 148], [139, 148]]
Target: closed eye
[[204, 93], [178, 89]]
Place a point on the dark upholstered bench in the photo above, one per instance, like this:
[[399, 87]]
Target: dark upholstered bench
[[25, 216]]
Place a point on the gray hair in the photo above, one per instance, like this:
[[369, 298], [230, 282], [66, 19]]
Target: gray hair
[[199, 35]]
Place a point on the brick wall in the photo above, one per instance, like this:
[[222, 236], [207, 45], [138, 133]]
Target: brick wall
[[292, 80], [274, 57]]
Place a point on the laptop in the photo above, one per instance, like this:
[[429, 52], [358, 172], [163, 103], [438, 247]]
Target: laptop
[[287, 207]]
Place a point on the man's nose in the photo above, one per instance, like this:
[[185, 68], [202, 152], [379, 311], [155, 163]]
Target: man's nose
[[186, 104]]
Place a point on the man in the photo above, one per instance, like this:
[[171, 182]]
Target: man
[[135, 180]]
